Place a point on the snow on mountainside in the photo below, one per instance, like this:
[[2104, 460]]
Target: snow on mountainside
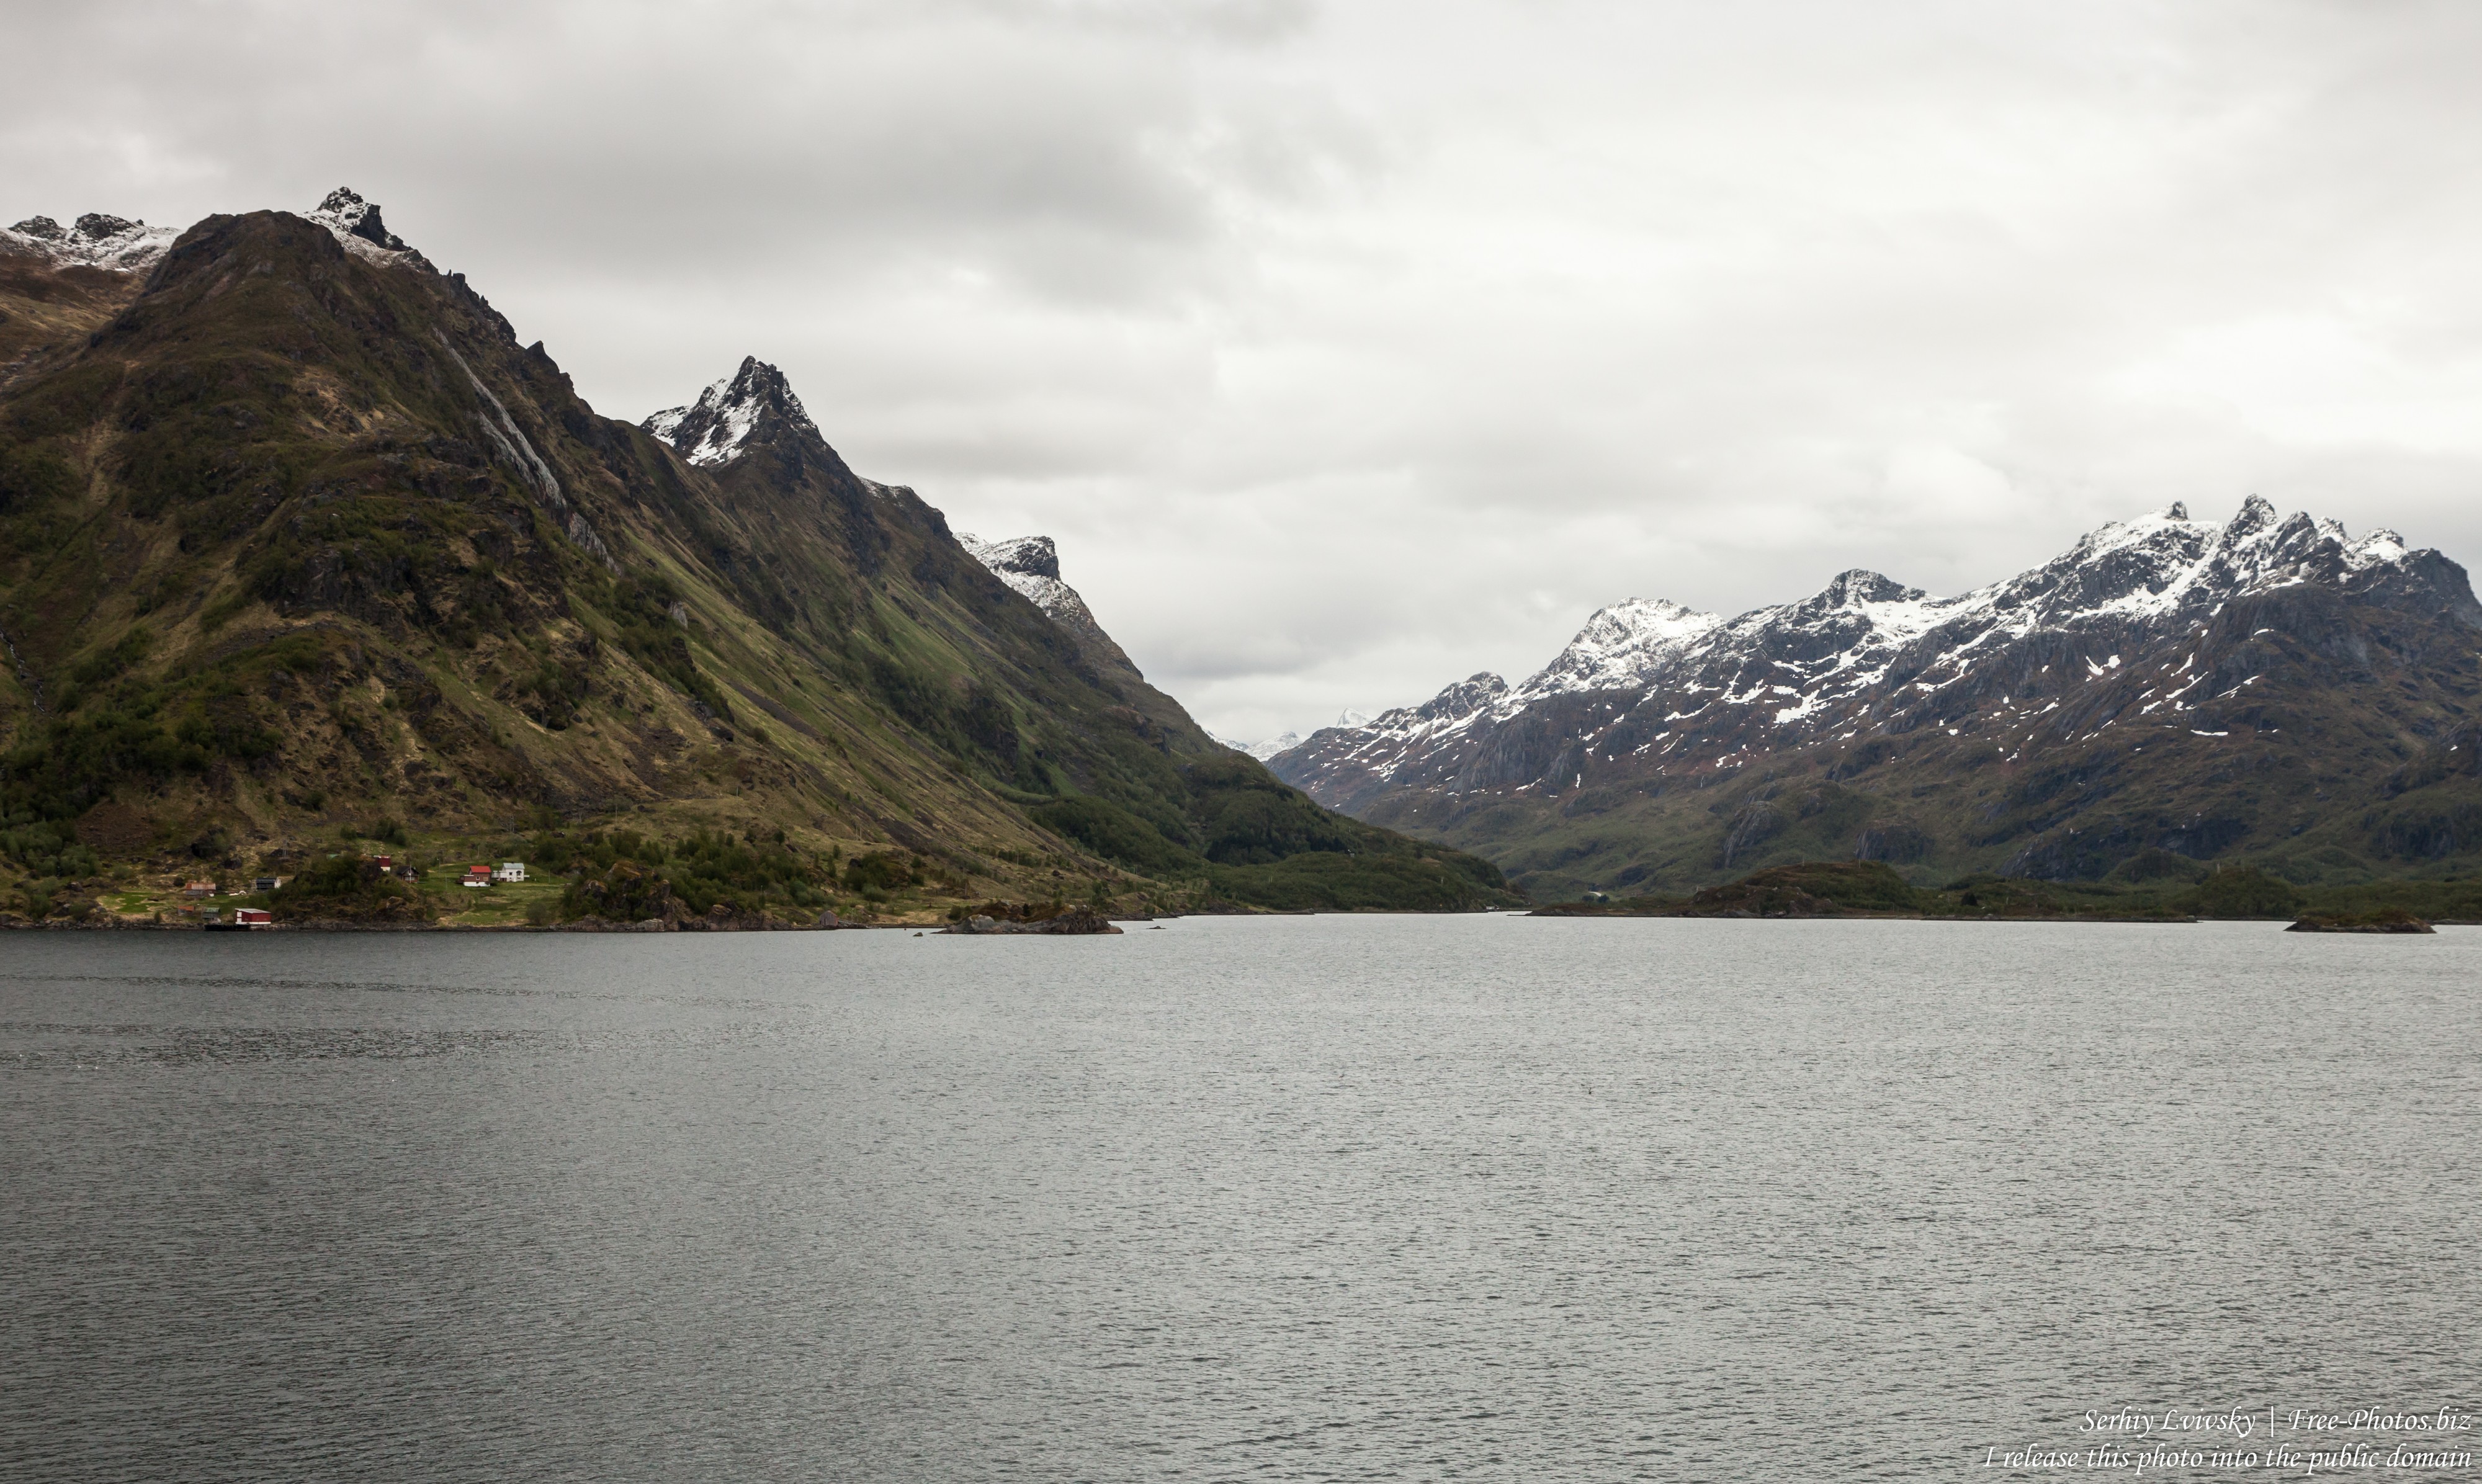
[[95, 241], [2124, 628], [1262, 750], [121, 245], [713, 429], [1624, 645], [756, 405], [1805, 662], [358, 227], [1288, 740], [1031, 565]]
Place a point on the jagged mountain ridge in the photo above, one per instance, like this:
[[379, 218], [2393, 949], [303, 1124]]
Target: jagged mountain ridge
[[2129, 628], [59, 284], [1280, 742], [95, 240], [292, 529], [713, 429], [118, 245], [1286, 740]]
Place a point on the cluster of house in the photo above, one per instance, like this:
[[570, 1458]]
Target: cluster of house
[[260, 918], [243, 916]]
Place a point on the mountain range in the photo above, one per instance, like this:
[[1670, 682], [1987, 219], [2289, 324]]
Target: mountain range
[[299, 545], [2169, 694], [1286, 741]]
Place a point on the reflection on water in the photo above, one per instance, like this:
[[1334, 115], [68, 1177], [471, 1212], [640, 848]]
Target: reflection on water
[[1303, 1197]]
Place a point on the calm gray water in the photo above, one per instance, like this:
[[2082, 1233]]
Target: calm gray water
[[1341, 1198]]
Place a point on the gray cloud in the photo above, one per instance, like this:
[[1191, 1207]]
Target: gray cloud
[[1349, 348]]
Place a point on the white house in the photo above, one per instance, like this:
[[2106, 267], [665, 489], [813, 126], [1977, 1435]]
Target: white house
[[510, 870]]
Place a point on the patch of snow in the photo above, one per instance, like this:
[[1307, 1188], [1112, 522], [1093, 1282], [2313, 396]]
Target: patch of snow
[[95, 240], [1622, 647], [1282, 742], [355, 224], [1815, 664], [2379, 548], [713, 430], [1030, 565]]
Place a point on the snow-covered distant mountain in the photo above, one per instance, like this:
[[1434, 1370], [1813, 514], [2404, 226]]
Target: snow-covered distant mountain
[[93, 241], [1627, 644], [119, 245], [1262, 750], [1282, 742], [1287, 740], [2126, 630]]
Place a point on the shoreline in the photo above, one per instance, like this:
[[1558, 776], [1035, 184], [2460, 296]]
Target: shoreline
[[941, 925]]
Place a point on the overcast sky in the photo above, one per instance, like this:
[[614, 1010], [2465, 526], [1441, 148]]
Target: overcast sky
[[1351, 347]]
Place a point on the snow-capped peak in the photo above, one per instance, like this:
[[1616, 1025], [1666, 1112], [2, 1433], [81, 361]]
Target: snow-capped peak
[[1031, 565], [713, 429], [1282, 742], [94, 240], [1621, 646], [1468, 696], [2381, 545], [1863, 640], [123, 245], [346, 214], [355, 225], [1026, 556]]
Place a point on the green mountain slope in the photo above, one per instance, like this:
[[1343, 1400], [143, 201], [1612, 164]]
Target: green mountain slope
[[300, 542]]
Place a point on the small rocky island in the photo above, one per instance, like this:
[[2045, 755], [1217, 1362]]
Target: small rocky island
[[995, 919], [2386, 919]]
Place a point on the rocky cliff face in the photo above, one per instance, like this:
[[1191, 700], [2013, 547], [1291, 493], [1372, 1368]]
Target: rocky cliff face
[[713, 429], [2266, 685]]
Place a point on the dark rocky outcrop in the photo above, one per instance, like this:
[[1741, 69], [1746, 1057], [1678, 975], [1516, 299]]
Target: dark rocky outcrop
[[1077, 921], [2384, 920]]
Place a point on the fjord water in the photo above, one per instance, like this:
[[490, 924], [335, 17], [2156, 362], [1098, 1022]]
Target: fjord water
[[1301, 1198]]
